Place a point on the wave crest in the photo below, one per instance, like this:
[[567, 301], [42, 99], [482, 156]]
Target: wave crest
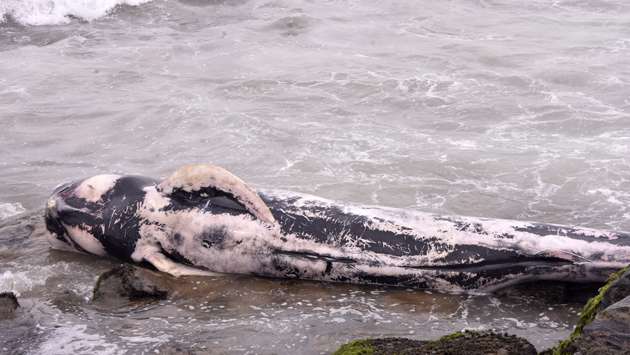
[[10, 209], [53, 12]]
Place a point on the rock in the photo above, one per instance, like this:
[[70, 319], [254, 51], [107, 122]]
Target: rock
[[8, 305], [608, 333], [468, 343], [604, 324], [131, 283], [618, 290], [548, 291]]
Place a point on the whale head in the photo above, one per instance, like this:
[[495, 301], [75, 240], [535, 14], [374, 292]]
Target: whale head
[[77, 212], [163, 222]]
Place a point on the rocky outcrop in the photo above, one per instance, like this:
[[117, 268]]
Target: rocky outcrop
[[128, 282], [8, 305], [609, 333], [468, 342], [604, 324]]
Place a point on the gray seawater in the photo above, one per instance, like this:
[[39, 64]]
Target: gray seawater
[[510, 109]]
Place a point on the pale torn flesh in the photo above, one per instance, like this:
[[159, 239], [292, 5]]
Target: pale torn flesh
[[195, 177]]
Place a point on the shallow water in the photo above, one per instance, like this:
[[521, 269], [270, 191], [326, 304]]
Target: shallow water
[[241, 314], [505, 109]]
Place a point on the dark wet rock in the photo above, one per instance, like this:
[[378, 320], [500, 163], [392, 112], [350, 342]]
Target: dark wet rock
[[8, 305], [604, 324], [609, 333], [552, 291], [468, 342], [618, 290], [131, 283]]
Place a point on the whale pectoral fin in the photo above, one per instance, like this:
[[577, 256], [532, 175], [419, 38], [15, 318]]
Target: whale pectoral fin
[[164, 264], [204, 181]]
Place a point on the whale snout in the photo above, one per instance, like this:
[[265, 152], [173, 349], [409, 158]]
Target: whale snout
[[56, 208]]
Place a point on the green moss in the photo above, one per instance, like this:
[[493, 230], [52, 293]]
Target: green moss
[[357, 347], [450, 337], [588, 313]]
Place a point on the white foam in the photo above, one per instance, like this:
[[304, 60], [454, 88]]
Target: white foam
[[10, 209], [24, 278], [53, 12], [76, 339]]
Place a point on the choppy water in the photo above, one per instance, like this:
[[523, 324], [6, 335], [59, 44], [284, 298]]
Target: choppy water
[[513, 109]]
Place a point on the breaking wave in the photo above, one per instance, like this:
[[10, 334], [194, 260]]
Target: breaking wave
[[53, 12], [10, 209]]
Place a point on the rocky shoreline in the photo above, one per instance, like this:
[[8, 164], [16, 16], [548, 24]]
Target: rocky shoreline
[[603, 328], [467, 342]]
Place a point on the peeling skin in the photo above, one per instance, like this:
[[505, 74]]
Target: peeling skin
[[202, 231]]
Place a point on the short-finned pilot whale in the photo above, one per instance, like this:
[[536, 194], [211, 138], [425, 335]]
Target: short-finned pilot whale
[[203, 220]]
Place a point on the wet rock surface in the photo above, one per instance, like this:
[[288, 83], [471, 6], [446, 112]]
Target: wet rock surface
[[552, 291], [618, 290], [604, 326], [609, 333], [8, 305], [128, 282], [469, 343]]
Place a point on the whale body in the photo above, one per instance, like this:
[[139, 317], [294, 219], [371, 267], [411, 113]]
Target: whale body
[[203, 220]]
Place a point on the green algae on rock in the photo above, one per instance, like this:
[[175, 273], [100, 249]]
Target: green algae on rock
[[357, 347], [467, 342]]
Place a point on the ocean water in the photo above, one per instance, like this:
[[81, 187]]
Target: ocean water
[[508, 109]]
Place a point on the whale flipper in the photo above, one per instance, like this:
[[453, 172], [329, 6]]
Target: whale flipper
[[204, 177]]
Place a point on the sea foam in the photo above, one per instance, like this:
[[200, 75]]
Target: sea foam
[[53, 12], [10, 209]]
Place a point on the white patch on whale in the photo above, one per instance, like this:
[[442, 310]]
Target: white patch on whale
[[195, 177], [85, 240], [93, 189], [153, 199]]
